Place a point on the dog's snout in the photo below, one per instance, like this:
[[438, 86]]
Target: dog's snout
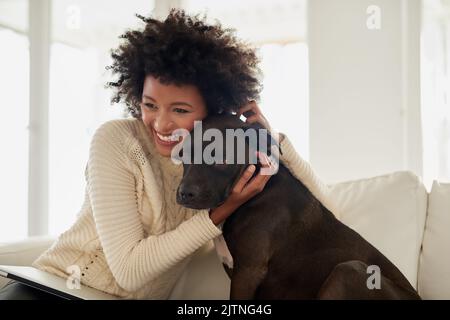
[[188, 193]]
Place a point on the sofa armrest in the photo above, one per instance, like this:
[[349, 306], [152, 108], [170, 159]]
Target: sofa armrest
[[23, 253]]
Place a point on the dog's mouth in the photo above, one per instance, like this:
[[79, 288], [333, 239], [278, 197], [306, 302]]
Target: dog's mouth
[[195, 206], [199, 203]]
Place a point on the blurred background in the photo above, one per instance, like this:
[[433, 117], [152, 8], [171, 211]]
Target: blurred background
[[360, 87]]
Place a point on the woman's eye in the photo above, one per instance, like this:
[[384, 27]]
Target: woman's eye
[[150, 105], [178, 110]]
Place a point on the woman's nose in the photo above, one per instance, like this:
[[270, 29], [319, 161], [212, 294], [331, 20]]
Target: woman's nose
[[163, 123]]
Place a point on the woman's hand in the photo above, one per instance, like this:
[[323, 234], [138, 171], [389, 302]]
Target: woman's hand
[[243, 190], [253, 113]]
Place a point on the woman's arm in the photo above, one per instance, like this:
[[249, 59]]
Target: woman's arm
[[133, 258]]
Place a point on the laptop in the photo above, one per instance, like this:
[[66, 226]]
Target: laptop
[[52, 284]]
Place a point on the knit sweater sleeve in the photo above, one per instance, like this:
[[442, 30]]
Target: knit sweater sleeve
[[133, 258], [303, 171]]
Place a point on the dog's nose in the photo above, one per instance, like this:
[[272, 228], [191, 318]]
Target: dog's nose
[[188, 193]]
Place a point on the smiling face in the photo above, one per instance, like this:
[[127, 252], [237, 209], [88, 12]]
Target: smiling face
[[165, 108]]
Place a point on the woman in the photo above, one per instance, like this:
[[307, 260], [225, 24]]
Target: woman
[[131, 239]]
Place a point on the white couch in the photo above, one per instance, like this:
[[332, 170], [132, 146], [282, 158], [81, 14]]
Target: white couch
[[394, 212]]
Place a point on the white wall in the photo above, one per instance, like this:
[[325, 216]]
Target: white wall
[[364, 89]]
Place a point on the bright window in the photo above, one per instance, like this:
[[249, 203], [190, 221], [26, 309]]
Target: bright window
[[14, 66], [84, 32], [278, 29]]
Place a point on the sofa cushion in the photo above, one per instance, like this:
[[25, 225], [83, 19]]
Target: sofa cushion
[[388, 211], [434, 267]]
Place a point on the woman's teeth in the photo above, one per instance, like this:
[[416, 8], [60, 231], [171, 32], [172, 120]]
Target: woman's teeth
[[170, 138]]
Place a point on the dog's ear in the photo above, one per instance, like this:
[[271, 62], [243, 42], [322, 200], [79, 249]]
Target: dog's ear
[[266, 140]]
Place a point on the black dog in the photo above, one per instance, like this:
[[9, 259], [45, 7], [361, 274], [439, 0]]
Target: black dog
[[285, 244]]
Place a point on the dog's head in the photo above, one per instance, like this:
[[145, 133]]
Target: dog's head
[[212, 164]]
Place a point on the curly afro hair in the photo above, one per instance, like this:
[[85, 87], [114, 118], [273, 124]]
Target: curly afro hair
[[185, 50]]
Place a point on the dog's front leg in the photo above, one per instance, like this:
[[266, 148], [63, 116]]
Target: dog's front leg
[[245, 281]]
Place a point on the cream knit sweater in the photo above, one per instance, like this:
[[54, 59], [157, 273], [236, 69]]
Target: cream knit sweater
[[131, 238]]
